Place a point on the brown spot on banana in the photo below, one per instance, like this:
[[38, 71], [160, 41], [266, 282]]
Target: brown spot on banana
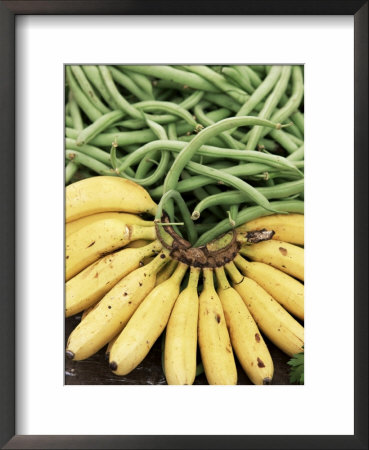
[[283, 251], [260, 363]]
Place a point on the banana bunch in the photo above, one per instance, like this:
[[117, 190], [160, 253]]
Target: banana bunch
[[129, 290]]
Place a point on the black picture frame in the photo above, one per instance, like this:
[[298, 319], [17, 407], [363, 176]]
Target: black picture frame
[[8, 11]]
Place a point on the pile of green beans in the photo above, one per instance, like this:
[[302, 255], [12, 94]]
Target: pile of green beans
[[215, 146]]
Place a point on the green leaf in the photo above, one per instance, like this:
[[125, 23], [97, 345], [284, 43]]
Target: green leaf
[[297, 368]]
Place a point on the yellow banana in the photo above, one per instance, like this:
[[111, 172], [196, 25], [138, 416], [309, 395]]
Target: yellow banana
[[281, 255], [181, 335], [90, 285], [247, 342], [287, 227], [105, 193], [110, 345], [128, 219], [166, 272], [272, 319], [87, 311], [286, 290], [91, 242], [214, 342], [146, 325], [138, 244], [113, 311]]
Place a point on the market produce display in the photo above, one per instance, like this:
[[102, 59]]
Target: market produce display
[[185, 218]]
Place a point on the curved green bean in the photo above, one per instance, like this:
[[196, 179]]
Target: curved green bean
[[281, 190], [99, 125], [171, 74], [88, 89], [270, 104], [247, 214], [83, 102]]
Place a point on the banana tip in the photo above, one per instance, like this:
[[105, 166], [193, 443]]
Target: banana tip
[[267, 380], [69, 354], [113, 365]]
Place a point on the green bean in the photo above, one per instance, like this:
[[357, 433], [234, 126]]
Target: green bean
[[69, 121], [94, 152], [229, 180], [281, 190], [141, 80], [284, 140], [270, 104], [99, 125], [83, 102], [127, 82], [75, 113], [70, 169], [253, 75], [205, 121], [187, 153], [294, 100], [206, 150], [200, 193], [145, 163], [157, 175], [192, 233], [222, 100], [298, 119], [297, 155], [244, 170], [88, 89], [172, 85], [294, 139], [247, 214], [176, 110], [244, 75], [261, 92], [172, 132], [94, 76], [118, 98], [236, 77], [171, 74], [293, 129], [89, 162], [220, 82]]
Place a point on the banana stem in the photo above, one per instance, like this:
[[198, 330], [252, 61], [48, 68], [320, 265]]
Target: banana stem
[[208, 278], [222, 278], [241, 262], [234, 273], [194, 277]]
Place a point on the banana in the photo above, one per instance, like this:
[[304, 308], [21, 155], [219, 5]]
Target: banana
[[110, 345], [286, 290], [90, 285], [272, 319], [287, 227], [146, 325], [166, 272], [87, 311], [181, 335], [138, 244], [128, 219], [113, 311], [105, 193], [215, 345], [91, 242], [283, 256], [248, 344]]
